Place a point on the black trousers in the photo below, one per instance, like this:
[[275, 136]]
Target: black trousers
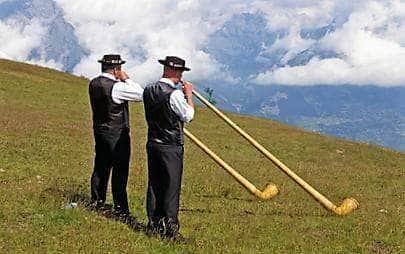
[[113, 151], [165, 170]]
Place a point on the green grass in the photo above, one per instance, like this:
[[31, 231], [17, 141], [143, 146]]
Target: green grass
[[46, 155]]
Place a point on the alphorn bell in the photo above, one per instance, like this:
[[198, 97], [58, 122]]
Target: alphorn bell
[[269, 191], [348, 205]]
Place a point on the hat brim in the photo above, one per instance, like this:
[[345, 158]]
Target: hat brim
[[163, 62]]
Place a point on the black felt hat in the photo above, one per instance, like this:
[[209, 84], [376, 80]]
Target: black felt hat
[[174, 62], [112, 60]]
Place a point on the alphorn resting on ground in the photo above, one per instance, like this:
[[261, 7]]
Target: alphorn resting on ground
[[269, 191], [348, 205]]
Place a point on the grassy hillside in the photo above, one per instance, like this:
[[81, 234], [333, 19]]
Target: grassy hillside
[[46, 157]]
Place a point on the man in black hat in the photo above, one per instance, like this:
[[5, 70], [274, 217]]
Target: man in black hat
[[109, 96], [168, 105]]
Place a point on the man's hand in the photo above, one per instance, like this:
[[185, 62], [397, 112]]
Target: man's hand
[[188, 92], [122, 75], [188, 89]]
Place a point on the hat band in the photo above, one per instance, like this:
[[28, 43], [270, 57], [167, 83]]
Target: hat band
[[176, 65], [111, 61]]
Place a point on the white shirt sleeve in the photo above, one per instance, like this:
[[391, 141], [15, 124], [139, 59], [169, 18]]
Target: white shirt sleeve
[[126, 91], [180, 106]]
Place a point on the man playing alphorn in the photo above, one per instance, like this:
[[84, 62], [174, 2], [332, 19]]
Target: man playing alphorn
[[168, 105], [109, 96]]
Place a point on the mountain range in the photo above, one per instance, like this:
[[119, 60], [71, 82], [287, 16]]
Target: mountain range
[[363, 113]]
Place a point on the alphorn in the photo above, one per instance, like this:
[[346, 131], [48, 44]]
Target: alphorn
[[348, 205], [269, 191]]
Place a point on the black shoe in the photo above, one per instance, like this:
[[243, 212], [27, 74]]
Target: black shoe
[[121, 215], [151, 229], [119, 210], [156, 228], [173, 234], [134, 224], [99, 205], [172, 228], [105, 207]]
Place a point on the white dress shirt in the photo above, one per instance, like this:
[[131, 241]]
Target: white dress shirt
[[178, 103], [124, 91]]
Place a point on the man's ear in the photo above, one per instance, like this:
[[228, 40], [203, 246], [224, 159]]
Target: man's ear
[[116, 72]]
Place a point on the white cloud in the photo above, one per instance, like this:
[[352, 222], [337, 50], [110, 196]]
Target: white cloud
[[4, 55], [170, 27], [17, 39], [293, 43], [287, 14], [370, 37], [371, 43], [154, 28], [50, 63]]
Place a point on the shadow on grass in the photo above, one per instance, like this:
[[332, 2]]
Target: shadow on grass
[[107, 211], [76, 194], [225, 196], [279, 210], [246, 212], [196, 210]]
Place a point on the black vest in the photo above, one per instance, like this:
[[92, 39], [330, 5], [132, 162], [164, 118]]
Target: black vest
[[107, 115], [164, 126]]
